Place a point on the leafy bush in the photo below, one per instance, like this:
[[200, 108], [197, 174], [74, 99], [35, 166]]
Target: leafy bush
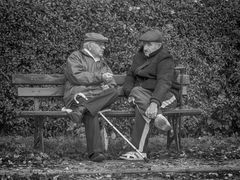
[[204, 35]]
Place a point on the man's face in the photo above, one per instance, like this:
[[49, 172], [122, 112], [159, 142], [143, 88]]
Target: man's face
[[149, 47], [97, 48]]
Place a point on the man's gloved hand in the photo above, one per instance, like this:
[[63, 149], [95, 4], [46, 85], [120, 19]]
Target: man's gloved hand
[[152, 110], [107, 77]]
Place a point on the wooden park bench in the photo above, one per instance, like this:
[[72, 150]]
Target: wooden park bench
[[39, 86]]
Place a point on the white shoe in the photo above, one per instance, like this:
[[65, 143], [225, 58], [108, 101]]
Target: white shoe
[[133, 156], [162, 123]]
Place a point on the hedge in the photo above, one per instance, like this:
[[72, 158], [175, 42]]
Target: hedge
[[204, 35]]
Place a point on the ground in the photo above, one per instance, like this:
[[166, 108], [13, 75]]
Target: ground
[[65, 158]]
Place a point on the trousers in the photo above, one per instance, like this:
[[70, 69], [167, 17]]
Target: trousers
[[141, 126], [90, 118]]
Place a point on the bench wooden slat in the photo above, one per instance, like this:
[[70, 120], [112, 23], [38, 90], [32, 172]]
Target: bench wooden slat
[[35, 79], [112, 113], [41, 92], [47, 92], [59, 79], [49, 79]]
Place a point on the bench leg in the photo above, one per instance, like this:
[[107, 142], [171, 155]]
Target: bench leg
[[169, 137], [38, 135], [179, 131], [176, 132], [176, 125]]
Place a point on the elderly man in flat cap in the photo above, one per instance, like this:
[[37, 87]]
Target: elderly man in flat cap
[[89, 88], [150, 86]]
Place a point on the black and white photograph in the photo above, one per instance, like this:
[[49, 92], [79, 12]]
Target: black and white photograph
[[119, 89]]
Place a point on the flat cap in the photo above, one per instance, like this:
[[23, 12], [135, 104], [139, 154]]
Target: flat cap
[[95, 37], [152, 36]]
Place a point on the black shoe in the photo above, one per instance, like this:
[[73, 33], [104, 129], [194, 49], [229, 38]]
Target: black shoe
[[97, 157]]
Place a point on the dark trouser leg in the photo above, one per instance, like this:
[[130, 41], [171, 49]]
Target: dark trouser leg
[[101, 101], [94, 142], [93, 105], [140, 132], [91, 122], [141, 126]]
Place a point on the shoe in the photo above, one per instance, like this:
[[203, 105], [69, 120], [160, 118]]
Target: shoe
[[162, 123], [97, 157], [133, 156], [77, 114]]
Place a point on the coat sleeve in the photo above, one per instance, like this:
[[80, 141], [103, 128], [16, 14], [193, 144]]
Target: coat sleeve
[[112, 83], [77, 74], [165, 76]]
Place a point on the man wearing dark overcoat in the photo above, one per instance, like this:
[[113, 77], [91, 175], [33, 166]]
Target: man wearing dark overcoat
[[150, 86]]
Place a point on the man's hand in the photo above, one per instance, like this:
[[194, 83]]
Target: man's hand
[[107, 77], [105, 87], [131, 101], [152, 110]]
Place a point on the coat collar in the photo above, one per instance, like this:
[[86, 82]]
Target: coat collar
[[87, 52], [152, 54]]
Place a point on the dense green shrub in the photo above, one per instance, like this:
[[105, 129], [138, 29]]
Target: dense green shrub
[[204, 35]]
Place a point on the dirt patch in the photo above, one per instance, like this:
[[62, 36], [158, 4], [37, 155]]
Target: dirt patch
[[166, 169]]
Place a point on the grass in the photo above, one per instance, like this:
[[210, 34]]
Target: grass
[[75, 146], [67, 151]]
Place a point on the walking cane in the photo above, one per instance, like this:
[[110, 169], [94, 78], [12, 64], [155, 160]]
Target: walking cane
[[104, 117]]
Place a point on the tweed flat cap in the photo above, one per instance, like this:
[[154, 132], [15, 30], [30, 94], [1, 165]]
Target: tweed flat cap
[[95, 37], [152, 36]]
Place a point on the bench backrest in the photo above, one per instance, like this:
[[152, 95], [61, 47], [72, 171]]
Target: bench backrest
[[54, 83]]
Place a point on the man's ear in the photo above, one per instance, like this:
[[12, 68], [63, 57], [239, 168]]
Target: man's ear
[[89, 46]]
